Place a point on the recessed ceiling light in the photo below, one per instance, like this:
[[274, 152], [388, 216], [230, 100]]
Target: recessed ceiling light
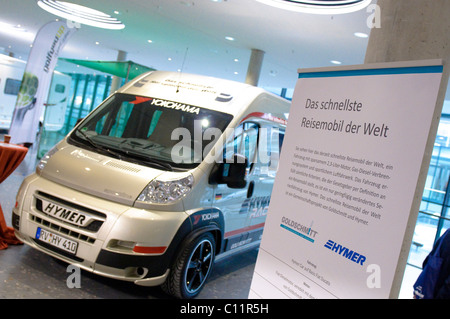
[[149, 41], [81, 14], [236, 60], [319, 6], [361, 35], [229, 38], [336, 62]]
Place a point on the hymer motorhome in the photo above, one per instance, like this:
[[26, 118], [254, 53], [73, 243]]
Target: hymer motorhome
[[167, 173]]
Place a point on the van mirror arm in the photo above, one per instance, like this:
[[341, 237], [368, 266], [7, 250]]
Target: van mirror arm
[[231, 172], [79, 120]]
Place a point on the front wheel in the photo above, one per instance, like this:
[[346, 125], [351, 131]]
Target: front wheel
[[191, 268]]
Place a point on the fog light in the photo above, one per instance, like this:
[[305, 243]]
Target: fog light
[[136, 272]]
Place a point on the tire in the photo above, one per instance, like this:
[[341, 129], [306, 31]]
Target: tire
[[192, 267]]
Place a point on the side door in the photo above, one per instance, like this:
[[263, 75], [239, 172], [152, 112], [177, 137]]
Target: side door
[[264, 171], [234, 202]]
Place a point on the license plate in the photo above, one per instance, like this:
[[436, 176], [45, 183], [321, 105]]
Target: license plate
[[56, 240]]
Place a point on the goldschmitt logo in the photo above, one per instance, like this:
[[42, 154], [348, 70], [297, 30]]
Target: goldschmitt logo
[[305, 232]]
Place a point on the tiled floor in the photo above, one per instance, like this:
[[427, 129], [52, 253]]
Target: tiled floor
[[27, 273]]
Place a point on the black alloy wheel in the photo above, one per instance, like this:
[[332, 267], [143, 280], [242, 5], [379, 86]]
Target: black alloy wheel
[[192, 268]]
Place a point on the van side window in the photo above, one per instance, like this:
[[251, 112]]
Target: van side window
[[245, 142], [60, 88], [12, 86], [275, 143]]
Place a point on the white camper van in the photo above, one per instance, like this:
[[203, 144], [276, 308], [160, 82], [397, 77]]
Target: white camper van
[[11, 73], [169, 172]]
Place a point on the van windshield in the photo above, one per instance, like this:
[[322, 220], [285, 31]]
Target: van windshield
[[149, 131]]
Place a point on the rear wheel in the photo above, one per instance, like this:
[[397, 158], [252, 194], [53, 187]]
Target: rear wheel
[[191, 268]]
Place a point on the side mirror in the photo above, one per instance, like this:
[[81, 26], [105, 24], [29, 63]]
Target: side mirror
[[232, 172]]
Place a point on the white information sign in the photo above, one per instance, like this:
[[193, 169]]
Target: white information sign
[[347, 178]]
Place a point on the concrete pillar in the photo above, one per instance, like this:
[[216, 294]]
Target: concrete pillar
[[413, 30], [254, 67], [116, 80]]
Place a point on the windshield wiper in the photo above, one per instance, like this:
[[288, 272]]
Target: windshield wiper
[[130, 155], [98, 146]]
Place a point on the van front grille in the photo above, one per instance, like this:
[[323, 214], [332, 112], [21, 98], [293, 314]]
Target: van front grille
[[93, 226], [75, 206]]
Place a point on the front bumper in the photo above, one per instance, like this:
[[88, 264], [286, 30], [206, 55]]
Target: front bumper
[[105, 246]]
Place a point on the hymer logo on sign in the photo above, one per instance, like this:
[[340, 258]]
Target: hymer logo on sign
[[345, 252], [374, 271]]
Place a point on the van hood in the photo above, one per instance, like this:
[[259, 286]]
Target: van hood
[[99, 175]]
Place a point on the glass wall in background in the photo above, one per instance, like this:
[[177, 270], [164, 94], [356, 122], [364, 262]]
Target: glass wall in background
[[86, 92], [434, 215]]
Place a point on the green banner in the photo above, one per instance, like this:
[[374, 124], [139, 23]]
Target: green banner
[[126, 69]]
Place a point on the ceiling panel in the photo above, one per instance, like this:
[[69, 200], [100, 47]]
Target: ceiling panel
[[189, 35]]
